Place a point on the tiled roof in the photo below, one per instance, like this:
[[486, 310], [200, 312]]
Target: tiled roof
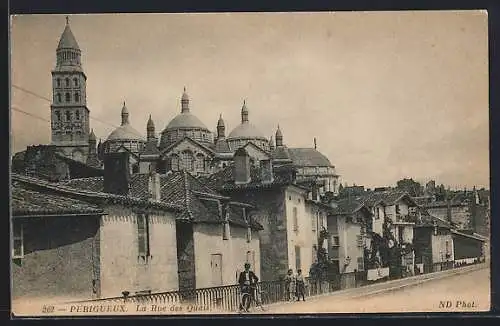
[[224, 179], [205, 145], [181, 187], [280, 153], [221, 146], [308, 157], [27, 201], [84, 193], [150, 149], [347, 206], [443, 203], [388, 197], [178, 188]]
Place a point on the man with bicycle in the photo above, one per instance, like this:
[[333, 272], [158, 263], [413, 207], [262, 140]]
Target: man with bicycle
[[248, 283]]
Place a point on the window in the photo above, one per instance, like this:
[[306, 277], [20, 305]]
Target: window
[[200, 162], [175, 162], [75, 81], [314, 221], [77, 115], [67, 82], [187, 161], [400, 234], [297, 258], [226, 228], [58, 115], [18, 241], [58, 82], [361, 265], [447, 245], [68, 116], [397, 209], [67, 97], [335, 240], [77, 97], [143, 236], [377, 213], [295, 220], [58, 96]]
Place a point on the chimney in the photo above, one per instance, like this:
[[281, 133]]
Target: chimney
[[266, 171], [241, 166], [117, 173], [154, 186]]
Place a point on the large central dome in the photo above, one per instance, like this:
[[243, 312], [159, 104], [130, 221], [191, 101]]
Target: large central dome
[[185, 120], [246, 130], [184, 125]]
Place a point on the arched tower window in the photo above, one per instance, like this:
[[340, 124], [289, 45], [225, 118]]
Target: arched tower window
[[75, 81], [58, 97], [67, 82], [67, 97], [68, 116], [175, 162], [187, 161], [77, 97], [58, 82], [200, 162], [77, 115]]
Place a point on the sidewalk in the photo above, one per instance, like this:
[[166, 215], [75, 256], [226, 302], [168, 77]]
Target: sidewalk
[[383, 287]]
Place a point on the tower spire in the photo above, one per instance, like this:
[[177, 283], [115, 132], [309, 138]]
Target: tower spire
[[279, 137], [244, 112], [185, 101], [124, 114], [221, 128]]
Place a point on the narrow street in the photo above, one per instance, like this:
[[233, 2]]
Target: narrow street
[[463, 292]]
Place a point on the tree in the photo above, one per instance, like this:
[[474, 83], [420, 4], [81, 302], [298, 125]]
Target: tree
[[411, 186]]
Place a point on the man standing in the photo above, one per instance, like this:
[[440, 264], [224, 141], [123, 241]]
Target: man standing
[[300, 285], [247, 282]]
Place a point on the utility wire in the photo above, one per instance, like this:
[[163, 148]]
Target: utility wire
[[50, 101]]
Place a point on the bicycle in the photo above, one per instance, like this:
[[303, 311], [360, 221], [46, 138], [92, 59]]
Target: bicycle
[[253, 296]]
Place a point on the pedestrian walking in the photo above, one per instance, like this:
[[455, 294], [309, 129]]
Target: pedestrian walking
[[290, 285], [300, 285]]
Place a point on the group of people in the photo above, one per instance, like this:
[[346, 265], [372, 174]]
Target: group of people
[[295, 285]]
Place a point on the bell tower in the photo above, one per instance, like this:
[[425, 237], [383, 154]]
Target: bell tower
[[69, 112]]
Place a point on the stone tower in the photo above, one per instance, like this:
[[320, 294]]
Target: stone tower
[[69, 112]]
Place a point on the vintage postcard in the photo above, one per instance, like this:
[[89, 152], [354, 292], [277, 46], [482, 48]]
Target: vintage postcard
[[249, 163]]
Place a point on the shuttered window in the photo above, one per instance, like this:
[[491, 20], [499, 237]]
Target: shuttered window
[[295, 220], [143, 235]]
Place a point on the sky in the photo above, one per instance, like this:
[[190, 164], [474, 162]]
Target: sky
[[388, 95]]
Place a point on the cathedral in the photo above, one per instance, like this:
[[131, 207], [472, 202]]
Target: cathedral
[[186, 143]]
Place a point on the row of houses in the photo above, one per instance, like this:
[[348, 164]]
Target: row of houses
[[100, 236]]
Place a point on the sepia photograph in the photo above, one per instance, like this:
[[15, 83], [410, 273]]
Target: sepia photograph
[[249, 163]]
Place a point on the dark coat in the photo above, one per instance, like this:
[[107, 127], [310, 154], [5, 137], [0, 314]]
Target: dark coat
[[253, 278]]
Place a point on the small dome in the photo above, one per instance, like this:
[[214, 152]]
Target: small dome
[[185, 120], [246, 130], [125, 132]]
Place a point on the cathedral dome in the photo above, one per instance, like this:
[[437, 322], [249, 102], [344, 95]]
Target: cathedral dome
[[125, 135], [185, 120], [185, 124], [125, 132], [246, 130]]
